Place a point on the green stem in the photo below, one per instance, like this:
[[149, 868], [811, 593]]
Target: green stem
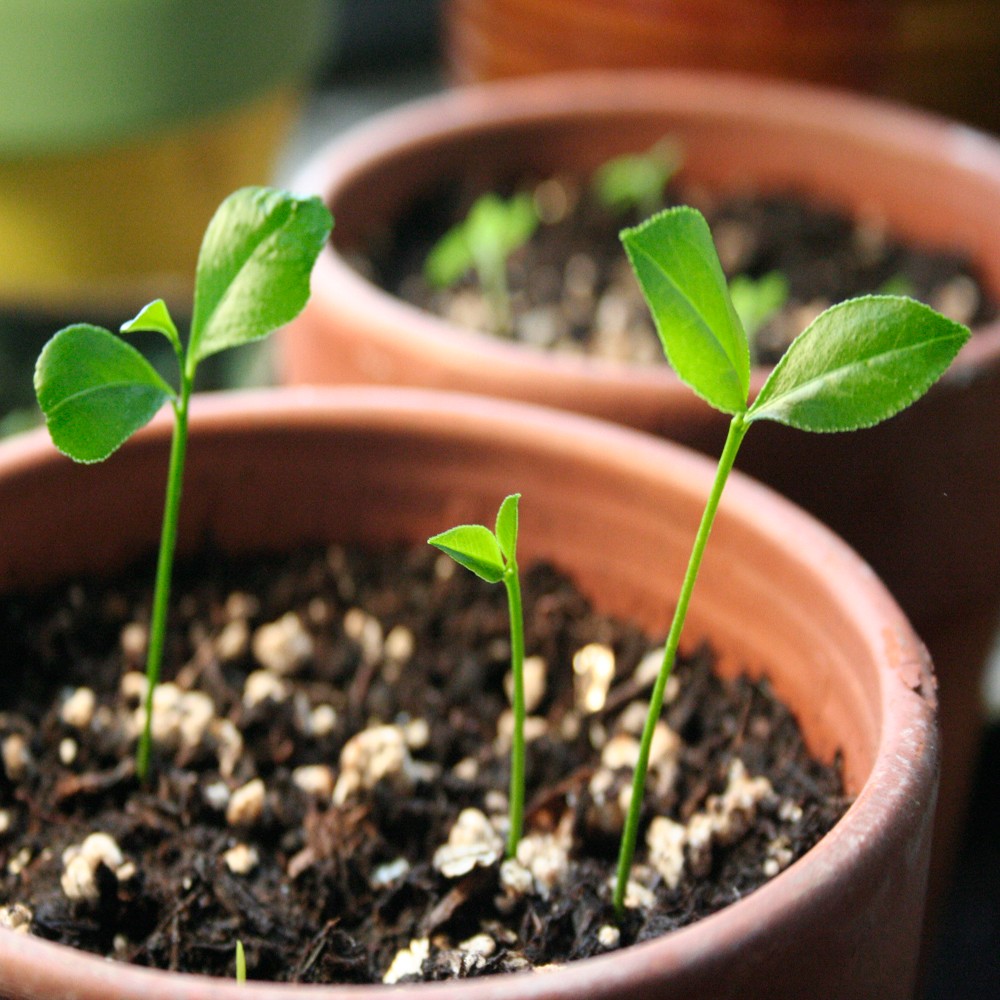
[[512, 583], [164, 568], [737, 430]]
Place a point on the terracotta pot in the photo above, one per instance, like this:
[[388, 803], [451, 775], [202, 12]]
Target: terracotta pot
[[779, 594], [939, 54], [929, 475]]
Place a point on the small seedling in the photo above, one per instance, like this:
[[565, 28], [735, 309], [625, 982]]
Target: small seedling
[[96, 390], [898, 284], [492, 556], [637, 180], [757, 300], [241, 963], [483, 243], [857, 364]]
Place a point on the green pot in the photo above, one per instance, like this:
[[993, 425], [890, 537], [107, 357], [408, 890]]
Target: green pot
[[83, 73], [124, 123]]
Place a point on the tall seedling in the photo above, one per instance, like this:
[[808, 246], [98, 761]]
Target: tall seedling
[[96, 390], [857, 364]]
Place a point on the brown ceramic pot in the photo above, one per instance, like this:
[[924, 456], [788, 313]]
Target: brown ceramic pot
[[779, 594], [942, 55], [929, 475]]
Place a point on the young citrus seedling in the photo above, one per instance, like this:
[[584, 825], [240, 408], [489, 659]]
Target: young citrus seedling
[[96, 390], [483, 242], [492, 556], [637, 180], [857, 364]]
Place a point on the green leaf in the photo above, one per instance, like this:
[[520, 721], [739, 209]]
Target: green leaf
[[484, 239], [679, 271], [253, 268], [449, 259], [474, 547], [156, 317], [96, 391], [507, 526], [859, 363]]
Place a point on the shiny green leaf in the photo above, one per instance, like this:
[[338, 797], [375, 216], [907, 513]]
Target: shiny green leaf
[[475, 547], [96, 391], [678, 269], [506, 529], [155, 317], [254, 267], [859, 363]]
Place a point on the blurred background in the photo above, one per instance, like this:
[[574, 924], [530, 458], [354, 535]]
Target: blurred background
[[123, 125]]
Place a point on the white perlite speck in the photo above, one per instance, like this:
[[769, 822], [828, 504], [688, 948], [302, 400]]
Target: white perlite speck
[[609, 936], [534, 672], [546, 856], [78, 709], [322, 720], [314, 779], [283, 645], [233, 641], [241, 859], [665, 842], [472, 842], [368, 757], [482, 945], [724, 820], [16, 917], [81, 861], [246, 804], [593, 669], [366, 631], [180, 718], [390, 872], [408, 961], [16, 756], [263, 685]]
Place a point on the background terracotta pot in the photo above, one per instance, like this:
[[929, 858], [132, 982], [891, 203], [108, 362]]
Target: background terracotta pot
[[778, 594], [939, 54], [916, 496]]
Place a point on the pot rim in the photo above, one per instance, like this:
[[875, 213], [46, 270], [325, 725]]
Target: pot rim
[[904, 764], [826, 114]]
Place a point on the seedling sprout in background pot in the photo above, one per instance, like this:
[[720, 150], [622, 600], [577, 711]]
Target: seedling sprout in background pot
[[483, 243], [637, 180], [857, 364], [756, 301], [96, 390], [492, 556]]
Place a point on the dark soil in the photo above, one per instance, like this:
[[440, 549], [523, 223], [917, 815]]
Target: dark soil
[[572, 289], [328, 874]]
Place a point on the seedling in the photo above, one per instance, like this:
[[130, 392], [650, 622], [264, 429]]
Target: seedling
[[96, 390], [492, 556], [483, 243], [637, 180], [757, 300], [855, 365], [241, 963]]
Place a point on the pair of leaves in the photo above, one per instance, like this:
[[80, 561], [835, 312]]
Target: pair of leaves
[[486, 553], [857, 364], [253, 271], [489, 234]]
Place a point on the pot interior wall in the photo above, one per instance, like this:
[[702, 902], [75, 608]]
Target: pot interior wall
[[621, 527]]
